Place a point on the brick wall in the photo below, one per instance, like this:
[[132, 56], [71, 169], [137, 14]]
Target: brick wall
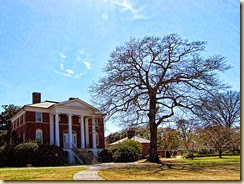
[[26, 125], [145, 149]]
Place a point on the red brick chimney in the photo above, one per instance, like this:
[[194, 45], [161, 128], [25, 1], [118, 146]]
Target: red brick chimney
[[36, 97], [131, 133]]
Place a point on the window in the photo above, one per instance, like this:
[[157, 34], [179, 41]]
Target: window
[[39, 139], [38, 117]]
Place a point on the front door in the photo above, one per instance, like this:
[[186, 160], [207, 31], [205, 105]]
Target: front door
[[66, 140]]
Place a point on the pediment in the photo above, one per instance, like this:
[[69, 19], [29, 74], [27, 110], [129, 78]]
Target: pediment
[[76, 104]]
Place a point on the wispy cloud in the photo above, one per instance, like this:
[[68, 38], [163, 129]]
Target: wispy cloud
[[69, 68], [62, 66], [5, 84], [70, 73], [126, 5], [62, 56], [87, 64]]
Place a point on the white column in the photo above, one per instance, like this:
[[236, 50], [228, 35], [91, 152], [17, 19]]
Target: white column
[[87, 133], [70, 131], [94, 143], [57, 141], [82, 132], [51, 129]]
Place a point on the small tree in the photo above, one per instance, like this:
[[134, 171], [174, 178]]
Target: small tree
[[169, 139], [187, 129]]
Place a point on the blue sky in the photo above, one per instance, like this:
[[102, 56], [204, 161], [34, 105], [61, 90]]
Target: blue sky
[[59, 47]]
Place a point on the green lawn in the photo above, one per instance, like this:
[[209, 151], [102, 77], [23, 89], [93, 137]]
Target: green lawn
[[38, 173], [201, 168]]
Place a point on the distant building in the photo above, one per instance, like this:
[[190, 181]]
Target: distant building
[[131, 135]]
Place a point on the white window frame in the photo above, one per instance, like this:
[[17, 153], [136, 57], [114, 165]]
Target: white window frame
[[39, 131], [36, 117]]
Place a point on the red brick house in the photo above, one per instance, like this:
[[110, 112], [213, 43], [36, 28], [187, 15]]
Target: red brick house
[[74, 125], [131, 135]]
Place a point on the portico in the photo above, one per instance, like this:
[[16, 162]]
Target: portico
[[84, 128]]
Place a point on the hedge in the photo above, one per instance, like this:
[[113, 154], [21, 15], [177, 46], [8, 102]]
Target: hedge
[[49, 155], [25, 153], [124, 154]]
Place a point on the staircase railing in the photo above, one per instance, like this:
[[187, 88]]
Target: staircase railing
[[88, 157]]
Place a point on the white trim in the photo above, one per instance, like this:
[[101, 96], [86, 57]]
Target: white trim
[[76, 100], [16, 116], [51, 129], [28, 108], [70, 130], [94, 144], [82, 132], [87, 131], [57, 139]]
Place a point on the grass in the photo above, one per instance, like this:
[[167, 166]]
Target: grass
[[202, 168], [37, 173]]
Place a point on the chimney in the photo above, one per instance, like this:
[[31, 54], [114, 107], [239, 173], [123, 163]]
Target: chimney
[[36, 97], [131, 133], [72, 98]]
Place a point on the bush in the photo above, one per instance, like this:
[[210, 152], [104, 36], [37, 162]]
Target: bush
[[50, 155], [134, 146], [3, 157], [188, 155], [25, 153], [167, 154], [106, 155], [124, 154]]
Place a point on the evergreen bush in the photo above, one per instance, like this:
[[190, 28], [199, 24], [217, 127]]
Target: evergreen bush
[[50, 155], [124, 154], [25, 153], [106, 155]]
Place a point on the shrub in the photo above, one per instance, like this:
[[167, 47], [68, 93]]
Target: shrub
[[167, 154], [50, 155], [188, 155], [106, 155], [134, 146], [3, 157], [25, 153], [124, 154]]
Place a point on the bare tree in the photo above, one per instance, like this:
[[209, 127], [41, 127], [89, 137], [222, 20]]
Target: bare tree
[[169, 138], [187, 129], [221, 138], [219, 109], [220, 113], [148, 79]]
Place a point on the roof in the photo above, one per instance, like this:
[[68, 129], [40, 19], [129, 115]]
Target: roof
[[45, 104], [135, 138], [48, 104]]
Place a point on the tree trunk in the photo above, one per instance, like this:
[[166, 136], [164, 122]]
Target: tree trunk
[[220, 154], [153, 152]]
